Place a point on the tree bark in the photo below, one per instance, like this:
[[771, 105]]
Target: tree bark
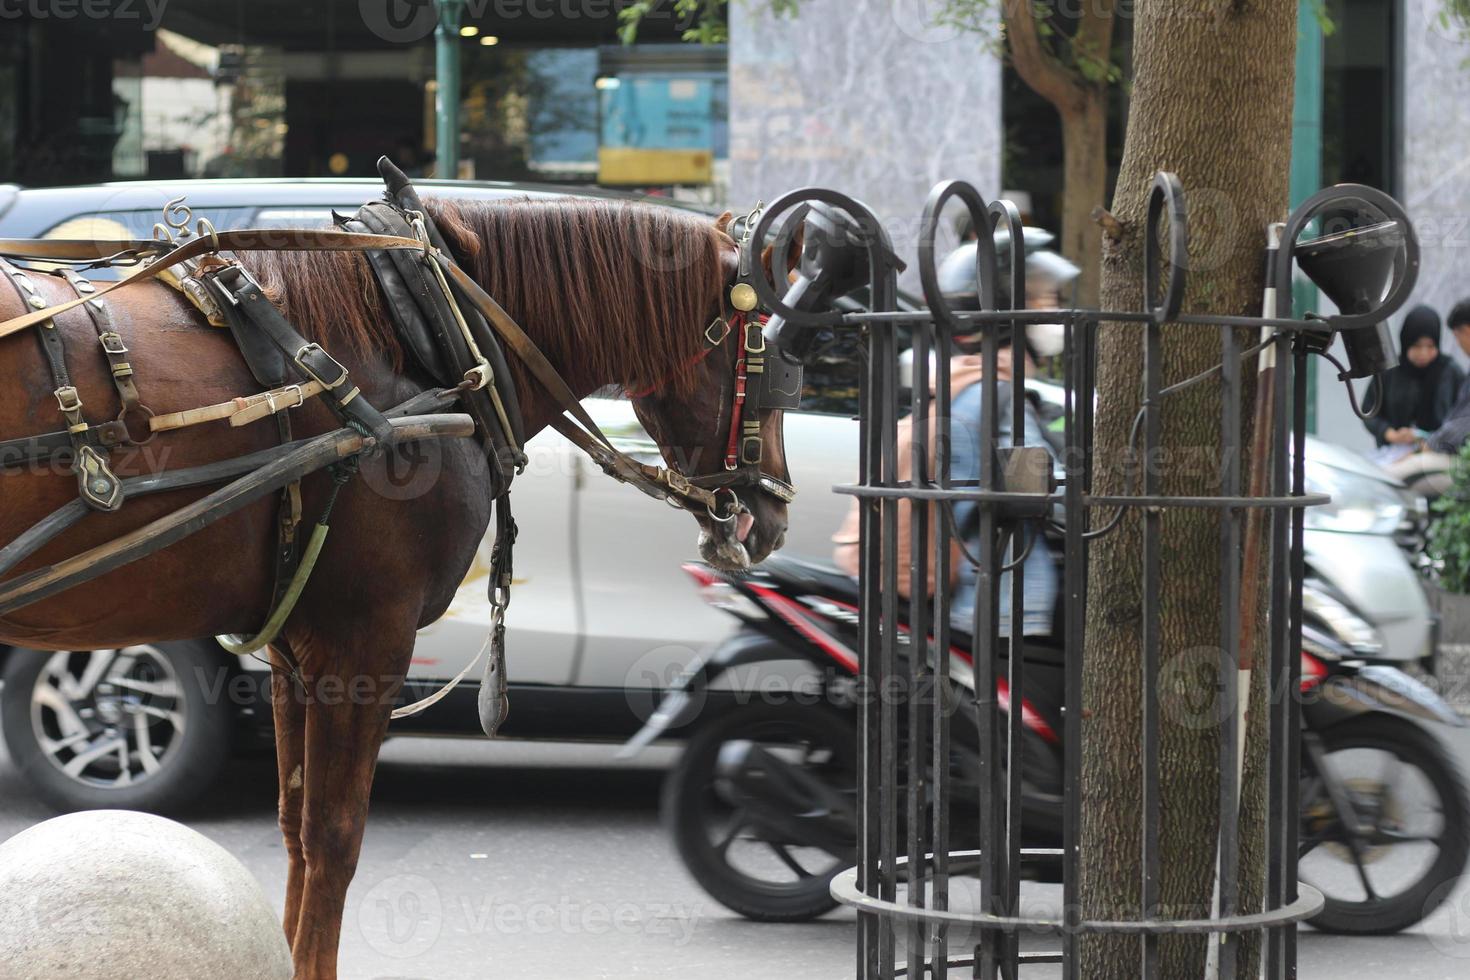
[[1085, 187], [1212, 102]]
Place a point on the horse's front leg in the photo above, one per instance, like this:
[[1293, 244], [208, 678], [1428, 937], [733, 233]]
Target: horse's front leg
[[345, 725], [288, 711]]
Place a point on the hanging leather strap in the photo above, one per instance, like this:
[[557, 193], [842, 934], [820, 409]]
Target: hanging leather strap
[[113, 347]]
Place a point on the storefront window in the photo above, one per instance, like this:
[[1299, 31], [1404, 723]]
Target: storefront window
[[1358, 94]]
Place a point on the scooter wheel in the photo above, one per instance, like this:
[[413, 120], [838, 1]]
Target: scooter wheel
[[1414, 797], [743, 854]]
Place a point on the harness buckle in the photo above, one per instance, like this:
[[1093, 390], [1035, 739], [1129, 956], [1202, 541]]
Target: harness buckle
[[676, 482], [326, 362], [112, 343], [69, 401], [724, 326], [244, 278], [758, 329]]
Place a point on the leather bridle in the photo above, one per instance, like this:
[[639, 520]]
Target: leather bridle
[[762, 381]]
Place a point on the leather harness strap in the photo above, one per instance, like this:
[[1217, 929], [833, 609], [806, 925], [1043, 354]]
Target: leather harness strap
[[113, 347], [248, 240], [96, 483]]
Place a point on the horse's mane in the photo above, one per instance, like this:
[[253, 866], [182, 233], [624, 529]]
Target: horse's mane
[[612, 291]]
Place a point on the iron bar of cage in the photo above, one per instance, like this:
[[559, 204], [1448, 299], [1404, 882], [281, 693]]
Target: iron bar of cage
[[888, 655], [1078, 413], [1292, 829], [1152, 375], [1281, 955], [877, 432], [1016, 647], [870, 785], [1230, 641], [940, 735], [918, 647], [983, 653]]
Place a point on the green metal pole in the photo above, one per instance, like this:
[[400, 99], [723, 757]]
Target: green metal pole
[[1306, 157], [446, 94]]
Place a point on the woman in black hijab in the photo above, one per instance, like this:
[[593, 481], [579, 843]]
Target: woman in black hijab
[[1415, 397]]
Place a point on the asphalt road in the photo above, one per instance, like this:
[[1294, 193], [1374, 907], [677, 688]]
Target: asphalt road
[[513, 861]]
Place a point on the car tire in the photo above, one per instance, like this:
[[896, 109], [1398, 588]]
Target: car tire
[[78, 725]]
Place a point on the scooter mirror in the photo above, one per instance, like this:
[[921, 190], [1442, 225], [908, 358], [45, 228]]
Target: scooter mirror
[[1367, 270], [834, 262], [1352, 268]]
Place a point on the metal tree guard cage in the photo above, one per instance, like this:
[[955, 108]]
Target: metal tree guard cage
[[908, 869]]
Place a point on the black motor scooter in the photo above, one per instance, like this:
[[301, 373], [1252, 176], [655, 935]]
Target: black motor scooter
[[762, 804]]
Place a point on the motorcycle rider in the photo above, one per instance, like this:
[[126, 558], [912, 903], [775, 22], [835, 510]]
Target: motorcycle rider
[[1048, 277]]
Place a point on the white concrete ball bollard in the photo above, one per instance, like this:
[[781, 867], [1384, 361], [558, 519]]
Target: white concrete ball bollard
[[112, 893]]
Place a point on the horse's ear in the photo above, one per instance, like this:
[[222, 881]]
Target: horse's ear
[[789, 261], [722, 223]]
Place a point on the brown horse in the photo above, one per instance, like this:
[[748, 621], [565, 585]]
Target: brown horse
[[613, 293]]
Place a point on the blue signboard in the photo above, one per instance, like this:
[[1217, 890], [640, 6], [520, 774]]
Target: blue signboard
[[657, 112]]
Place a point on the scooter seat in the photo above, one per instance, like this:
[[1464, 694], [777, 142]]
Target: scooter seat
[[830, 582], [826, 580]]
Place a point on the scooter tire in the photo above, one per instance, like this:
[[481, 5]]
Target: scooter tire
[[1415, 746], [687, 788]]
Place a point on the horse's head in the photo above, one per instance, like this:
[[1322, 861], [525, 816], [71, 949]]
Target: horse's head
[[719, 431], [641, 297]]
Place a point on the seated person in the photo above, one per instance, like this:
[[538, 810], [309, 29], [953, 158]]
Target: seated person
[[1427, 469], [1414, 397]]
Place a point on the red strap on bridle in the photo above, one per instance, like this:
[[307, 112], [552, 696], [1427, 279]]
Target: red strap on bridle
[[737, 411], [737, 414]]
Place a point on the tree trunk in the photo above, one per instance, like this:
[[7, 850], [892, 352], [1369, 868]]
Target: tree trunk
[[1082, 105], [1212, 102], [1085, 186]]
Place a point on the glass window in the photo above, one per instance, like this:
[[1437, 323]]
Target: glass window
[[1358, 94]]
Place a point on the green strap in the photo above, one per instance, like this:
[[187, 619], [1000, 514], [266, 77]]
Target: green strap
[[244, 646]]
